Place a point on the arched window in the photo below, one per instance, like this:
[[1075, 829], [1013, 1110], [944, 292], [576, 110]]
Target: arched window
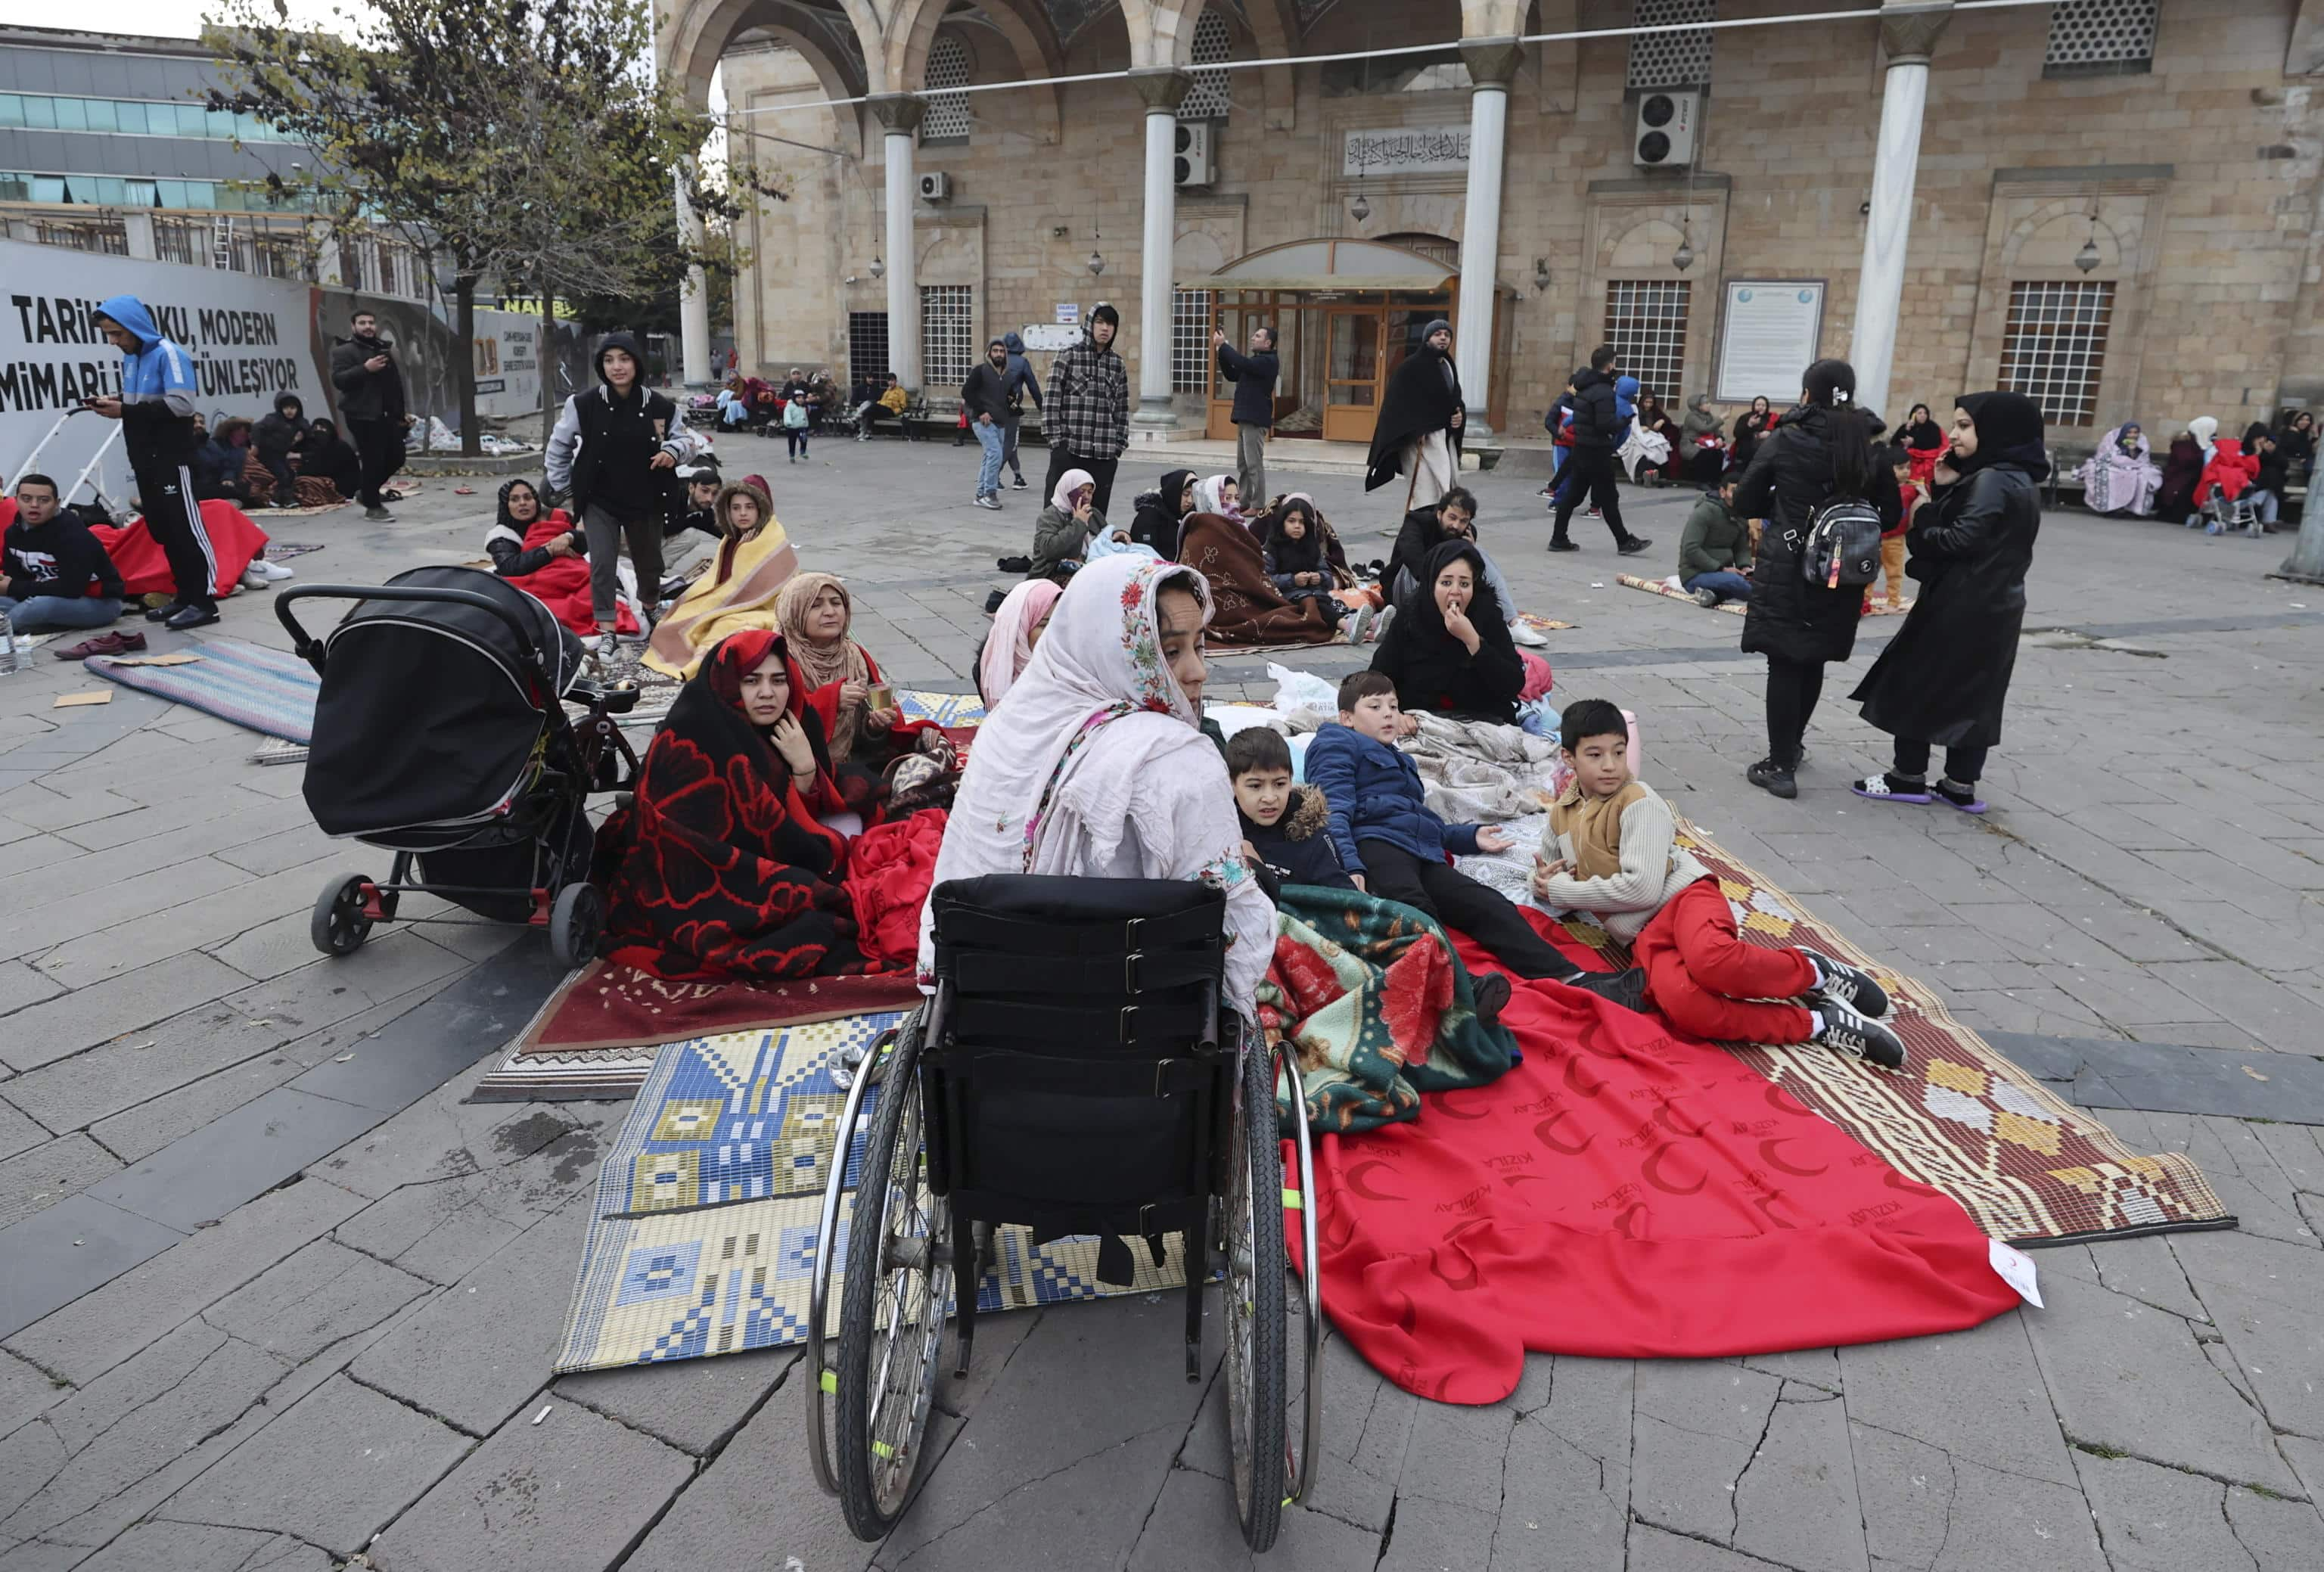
[[1208, 100], [946, 117], [1435, 247]]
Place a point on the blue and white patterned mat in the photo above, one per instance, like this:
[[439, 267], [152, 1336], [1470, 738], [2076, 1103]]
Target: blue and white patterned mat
[[707, 1205]]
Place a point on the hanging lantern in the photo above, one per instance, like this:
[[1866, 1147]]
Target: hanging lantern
[[1683, 257], [1096, 264], [1359, 209], [878, 269]]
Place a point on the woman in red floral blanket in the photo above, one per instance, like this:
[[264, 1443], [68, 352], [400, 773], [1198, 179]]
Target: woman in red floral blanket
[[718, 868]]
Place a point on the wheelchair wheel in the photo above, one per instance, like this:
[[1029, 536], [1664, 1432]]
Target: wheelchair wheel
[[1254, 1294], [897, 1294]]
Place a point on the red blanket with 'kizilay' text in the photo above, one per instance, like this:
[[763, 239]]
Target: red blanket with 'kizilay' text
[[1623, 1193]]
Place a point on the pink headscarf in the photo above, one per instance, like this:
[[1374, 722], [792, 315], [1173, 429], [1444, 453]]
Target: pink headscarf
[[1009, 644]]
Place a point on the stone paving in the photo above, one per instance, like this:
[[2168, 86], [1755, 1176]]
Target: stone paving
[[271, 1296]]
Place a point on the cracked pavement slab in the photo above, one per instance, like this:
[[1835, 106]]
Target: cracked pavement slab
[[364, 1351]]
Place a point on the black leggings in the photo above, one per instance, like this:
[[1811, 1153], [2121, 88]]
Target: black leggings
[[1962, 765], [1793, 689], [1459, 903]]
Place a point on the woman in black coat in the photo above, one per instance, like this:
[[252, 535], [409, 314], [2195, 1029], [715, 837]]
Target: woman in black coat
[[1818, 451], [1160, 513], [1943, 679], [1449, 648]]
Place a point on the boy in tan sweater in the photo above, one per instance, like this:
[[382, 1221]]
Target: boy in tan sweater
[[1610, 849]]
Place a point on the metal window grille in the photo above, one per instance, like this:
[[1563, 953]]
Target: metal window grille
[[1207, 98], [1190, 340], [867, 345], [946, 118], [947, 333], [2054, 349], [1646, 321], [179, 241], [108, 239], [1671, 60], [2096, 37]]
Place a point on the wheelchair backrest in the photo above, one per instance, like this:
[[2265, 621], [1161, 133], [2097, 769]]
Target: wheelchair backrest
[[1073, 1059]]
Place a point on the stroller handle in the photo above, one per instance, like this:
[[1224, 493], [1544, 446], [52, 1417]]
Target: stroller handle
[[310, 648]]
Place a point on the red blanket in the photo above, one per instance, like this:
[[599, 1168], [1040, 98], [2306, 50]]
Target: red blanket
[[1625, 1194], [718, 867], [563, 587], [889, 871], [144, 570]]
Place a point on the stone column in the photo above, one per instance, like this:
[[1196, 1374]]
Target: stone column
[[1161, 91], [900, 114], [137, 228], [693, 300], [1492, 64], [1908, 32]]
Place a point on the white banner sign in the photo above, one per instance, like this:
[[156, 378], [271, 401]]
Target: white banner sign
[[1050, 336], [1405, 150], [508, 363], [250, 339], [1769, 339]]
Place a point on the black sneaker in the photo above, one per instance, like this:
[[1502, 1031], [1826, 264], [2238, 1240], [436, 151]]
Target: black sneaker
[[1773, 779], [1625, 988], [161, 614], [1020, 483], [1634, 545], [1848, 1032], [1492, 991], [1562, 544], [1839, 981]]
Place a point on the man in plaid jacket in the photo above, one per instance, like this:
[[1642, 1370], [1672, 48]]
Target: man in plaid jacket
[[1087, 413]]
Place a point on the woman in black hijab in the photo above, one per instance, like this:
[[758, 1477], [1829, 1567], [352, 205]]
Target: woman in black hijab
[[1418, 431], [1750, 425], [1943, 679], [1160, 513], [1449, 649]]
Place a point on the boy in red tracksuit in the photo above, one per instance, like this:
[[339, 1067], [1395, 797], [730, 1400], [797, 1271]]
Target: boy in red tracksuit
[[1610, 849], [1899, 461]]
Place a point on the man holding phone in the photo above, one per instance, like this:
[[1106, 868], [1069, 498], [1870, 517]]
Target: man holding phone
[[155, 408], [371, 401]]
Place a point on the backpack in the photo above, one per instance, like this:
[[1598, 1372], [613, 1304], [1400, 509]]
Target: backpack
[[1841, 550], [795, 415]]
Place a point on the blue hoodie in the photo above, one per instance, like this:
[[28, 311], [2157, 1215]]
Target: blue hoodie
[[157, 389], [1020, 373], [1626, 398]]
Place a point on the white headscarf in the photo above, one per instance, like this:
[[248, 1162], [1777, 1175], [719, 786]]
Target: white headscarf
[[2204, 429], [1093, 766], [1070, 482], [1009, 645], [1208, 497]]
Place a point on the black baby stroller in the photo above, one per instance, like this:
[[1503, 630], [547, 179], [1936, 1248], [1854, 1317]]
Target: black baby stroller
[[441, 734]]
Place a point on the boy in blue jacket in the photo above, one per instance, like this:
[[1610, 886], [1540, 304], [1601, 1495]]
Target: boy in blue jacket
[[155, 408], [1393, 847]]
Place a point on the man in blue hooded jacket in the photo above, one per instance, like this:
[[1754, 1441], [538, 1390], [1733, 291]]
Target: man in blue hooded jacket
[[155, 408], [1016, 383]]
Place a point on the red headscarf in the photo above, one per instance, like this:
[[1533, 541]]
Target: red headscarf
[[735, 657]]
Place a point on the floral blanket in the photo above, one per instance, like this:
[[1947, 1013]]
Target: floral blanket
[[1378, 1006]]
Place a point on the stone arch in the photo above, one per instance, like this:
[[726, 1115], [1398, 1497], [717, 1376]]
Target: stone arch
[[1645, 244], [700, 34], [902, 48], [2048, 239], [1161, 31]]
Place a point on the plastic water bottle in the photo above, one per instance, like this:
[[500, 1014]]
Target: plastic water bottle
[[12, 659]]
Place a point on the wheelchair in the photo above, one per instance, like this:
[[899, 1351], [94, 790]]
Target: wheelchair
[[1075, 1073]]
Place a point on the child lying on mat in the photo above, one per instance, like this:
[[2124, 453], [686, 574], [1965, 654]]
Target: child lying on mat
[[1610, 848], [1393, 847]]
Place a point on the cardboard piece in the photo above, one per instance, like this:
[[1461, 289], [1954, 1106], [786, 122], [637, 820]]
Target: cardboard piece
[[74, 701]]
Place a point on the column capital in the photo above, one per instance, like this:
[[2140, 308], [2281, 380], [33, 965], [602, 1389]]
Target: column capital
[[1162, 88], [1909, 32], [901, 113], [1492, 62]]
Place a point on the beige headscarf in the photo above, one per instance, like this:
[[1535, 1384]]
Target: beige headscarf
[[825, 664]]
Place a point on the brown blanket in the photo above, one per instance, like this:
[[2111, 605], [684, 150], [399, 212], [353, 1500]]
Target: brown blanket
[[1250, 610]]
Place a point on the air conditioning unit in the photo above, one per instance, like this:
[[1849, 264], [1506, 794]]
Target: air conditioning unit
[[1193, 165], [935, 186], [1669, 123]]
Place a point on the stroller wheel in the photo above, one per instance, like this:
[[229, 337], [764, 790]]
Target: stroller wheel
[[575, 921], [338, 926]]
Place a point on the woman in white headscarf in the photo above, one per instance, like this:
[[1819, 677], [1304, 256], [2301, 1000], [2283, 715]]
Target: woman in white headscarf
[[1093, 765], [1221, 495]]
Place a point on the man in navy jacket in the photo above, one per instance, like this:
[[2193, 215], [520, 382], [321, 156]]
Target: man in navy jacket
[[1254, 376]]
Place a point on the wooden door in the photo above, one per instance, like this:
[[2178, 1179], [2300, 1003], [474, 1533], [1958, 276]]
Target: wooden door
[[1354, 372]]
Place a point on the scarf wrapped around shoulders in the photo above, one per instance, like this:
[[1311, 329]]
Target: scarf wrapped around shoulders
[[826, 667], [1093, 765]]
